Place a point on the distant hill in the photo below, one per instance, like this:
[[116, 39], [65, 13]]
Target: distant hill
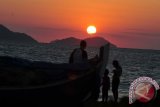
[[71, 41], [93, 42], [7, 35]]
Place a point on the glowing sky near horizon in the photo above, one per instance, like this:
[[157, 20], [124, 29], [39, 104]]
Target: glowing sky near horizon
[[126, 23]]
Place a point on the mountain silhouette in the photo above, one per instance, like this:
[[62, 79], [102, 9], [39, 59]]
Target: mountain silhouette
[[71, 41], [92, 42], [9, 36]]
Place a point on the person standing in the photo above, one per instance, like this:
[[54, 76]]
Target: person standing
[[105, 86], [117, 72], [79, 55]]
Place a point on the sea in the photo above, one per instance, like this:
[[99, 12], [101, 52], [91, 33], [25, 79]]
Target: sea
[[135, 62]]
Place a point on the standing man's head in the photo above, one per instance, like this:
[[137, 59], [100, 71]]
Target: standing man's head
[[83, 44]]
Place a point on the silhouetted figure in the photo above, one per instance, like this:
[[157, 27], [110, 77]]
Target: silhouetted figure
[[96, 89], [117, 72], [79, 55], [97, 80], [105, 86]]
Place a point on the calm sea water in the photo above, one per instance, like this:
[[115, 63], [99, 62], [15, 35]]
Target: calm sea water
[[135, 62]]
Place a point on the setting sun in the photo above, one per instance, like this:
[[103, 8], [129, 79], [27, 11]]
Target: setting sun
[[91, 29]]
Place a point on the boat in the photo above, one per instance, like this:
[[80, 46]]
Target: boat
[[71, 83]]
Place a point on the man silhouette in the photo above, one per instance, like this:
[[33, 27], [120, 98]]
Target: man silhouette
[[79, 55]]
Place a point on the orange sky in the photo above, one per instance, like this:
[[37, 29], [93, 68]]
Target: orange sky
[[117, 20]]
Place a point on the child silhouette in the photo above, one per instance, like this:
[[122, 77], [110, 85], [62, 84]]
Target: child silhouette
[[105, 86]]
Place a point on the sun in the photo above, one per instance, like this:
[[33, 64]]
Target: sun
[[91, 30]]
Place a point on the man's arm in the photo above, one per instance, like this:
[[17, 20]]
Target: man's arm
[[71, 57], [85, 55]]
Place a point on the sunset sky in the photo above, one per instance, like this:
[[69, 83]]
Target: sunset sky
[[126, 23]]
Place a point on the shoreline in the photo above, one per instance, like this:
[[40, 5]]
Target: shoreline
[[124, 102]]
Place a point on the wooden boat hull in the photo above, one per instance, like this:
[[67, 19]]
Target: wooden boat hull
[[69, 91], [74, 88]]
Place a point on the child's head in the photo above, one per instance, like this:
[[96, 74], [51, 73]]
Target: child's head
[[106, 72], [115, 63]]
